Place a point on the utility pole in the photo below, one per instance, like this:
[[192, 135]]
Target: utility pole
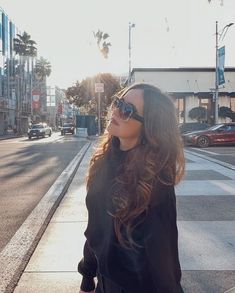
[[216, 75], [218, 37], [131, 25]]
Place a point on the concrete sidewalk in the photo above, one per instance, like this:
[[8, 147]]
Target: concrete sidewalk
[[206, 221], [10, 136], [53, 266]]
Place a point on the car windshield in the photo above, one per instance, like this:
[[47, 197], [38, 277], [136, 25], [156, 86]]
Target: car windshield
[[215, 127], [68, 124], [37, 126]]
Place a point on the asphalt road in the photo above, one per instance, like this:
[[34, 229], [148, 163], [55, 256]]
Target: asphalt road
[[224, 154], [28, 168]]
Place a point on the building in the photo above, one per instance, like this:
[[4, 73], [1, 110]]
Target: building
[[190, 87], [8, 99], [59, 110], [19, 89]]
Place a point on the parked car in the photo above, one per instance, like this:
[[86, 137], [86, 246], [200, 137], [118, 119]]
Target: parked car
[[39, 130], [192, 126], [223, 133], [67, 128]]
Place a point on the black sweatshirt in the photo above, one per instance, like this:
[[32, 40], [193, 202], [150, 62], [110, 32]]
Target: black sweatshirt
[[154, 266]]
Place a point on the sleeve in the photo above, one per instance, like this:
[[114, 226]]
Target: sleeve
[[161, 245], [87, 268]]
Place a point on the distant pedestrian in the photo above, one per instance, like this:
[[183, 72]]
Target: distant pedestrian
[[132, 238]]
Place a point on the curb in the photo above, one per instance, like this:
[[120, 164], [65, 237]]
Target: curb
[[16, 254], [10, 137], [226, 165]]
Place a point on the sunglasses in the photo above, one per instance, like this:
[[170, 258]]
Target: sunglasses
[[126, 110]]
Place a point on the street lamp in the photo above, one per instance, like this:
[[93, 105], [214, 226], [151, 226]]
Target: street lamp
[[131, 25], [217, 39]]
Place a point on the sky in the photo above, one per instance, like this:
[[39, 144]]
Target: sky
[[167, 33]]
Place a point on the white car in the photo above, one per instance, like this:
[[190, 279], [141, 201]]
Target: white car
[[39, 130]]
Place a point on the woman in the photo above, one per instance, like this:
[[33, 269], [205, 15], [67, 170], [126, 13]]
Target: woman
[[131, 235]]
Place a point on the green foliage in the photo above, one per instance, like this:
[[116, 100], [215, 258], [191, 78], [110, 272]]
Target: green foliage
[[42, 68], [83, 95], [24, 46], [225, 112], [198, 113]]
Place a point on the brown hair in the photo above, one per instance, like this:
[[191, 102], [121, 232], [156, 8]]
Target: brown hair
[[159, 158]]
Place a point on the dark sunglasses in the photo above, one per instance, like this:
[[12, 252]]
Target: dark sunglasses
[[126, 110]]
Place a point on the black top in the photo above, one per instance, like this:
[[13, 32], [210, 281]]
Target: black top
[[154, 266]]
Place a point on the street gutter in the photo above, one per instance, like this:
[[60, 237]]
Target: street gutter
[[16, 254]]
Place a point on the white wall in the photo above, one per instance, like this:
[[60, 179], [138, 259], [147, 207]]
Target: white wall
[[189, 81]]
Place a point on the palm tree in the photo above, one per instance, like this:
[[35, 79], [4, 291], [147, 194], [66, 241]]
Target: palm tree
[[42, 68], [24, 46], [101, 42]]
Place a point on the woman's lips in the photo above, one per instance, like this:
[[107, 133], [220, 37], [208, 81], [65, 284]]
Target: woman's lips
[[114, 121]]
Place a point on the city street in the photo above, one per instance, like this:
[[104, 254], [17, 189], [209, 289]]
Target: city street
[[28, 168]]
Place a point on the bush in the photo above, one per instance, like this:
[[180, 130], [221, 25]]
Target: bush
[[198, 113], [225, 112]]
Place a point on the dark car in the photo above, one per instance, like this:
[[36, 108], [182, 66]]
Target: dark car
[[67, 128], [192, 126], [39, 130], [223, 133]]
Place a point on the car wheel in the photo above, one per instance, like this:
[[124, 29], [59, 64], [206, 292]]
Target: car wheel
[[50, 134], [203, 141]]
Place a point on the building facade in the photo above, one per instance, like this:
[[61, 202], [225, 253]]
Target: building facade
[[8, 98], [190, 87], [22, 96]]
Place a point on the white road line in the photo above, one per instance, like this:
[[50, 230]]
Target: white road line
[[208, 152]]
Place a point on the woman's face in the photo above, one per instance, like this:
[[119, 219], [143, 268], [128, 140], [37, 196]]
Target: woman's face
[[130, 129]]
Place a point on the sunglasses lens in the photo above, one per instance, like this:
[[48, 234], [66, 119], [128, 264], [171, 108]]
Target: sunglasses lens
[[126, 111]]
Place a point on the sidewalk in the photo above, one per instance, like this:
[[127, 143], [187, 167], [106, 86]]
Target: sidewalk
[[53, 266], [206, 221], [8, 136]]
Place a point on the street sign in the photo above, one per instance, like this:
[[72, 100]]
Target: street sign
[[99, 87]]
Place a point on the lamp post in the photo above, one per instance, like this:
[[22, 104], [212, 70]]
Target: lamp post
[[131, 25], [218, 37]]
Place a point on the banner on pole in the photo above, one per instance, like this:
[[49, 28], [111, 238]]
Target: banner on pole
[[36, 99], [221, 57]]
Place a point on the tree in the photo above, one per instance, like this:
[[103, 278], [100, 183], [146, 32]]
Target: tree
[[198, 113], [101, 42], [224, 112], [24, 46], [42, 68], [82, 94]]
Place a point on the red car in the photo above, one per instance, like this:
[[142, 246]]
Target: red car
[[218, 134]]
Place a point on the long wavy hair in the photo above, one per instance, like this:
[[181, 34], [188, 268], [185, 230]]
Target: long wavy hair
[[159, 158]]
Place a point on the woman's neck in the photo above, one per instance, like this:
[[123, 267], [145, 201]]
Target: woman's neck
[[128, 143]]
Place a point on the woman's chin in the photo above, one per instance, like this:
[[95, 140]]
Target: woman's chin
[[111, 129]]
